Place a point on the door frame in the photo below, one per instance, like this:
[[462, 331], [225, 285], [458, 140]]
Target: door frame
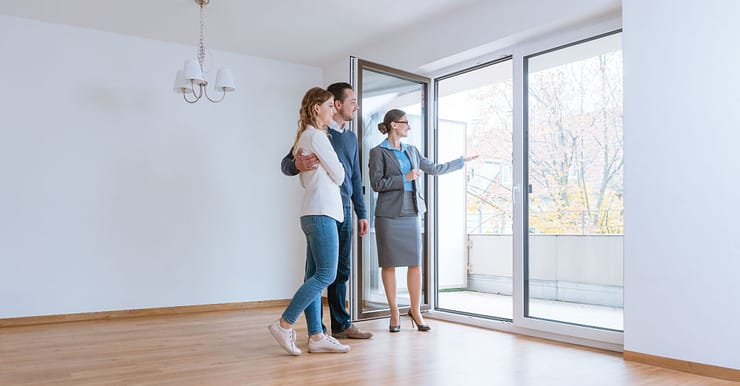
[[435, 121], [357, 65]]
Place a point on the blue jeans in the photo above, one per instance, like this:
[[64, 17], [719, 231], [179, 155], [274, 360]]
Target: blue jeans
[[322, 249], [337, 291]]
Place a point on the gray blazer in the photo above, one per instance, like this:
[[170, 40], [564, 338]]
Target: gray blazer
[[387, 179]]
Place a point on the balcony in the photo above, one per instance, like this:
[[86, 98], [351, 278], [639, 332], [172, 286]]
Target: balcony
[[572, 278]]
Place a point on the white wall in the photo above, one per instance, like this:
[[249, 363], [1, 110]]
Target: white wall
[[116, 194], [682, 133]]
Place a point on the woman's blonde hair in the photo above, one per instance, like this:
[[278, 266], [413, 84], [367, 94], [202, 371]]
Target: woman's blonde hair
[[313, 97]]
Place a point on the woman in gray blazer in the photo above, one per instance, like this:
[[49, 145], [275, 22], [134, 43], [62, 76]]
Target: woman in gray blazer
[[395, 168]]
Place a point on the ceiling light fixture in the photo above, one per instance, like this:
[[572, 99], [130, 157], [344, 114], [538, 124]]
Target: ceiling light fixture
[[191, 79]]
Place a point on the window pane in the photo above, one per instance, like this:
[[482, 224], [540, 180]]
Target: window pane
[[575, 173], [475, 208]]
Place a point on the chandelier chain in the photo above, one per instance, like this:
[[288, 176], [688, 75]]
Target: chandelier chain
[[202, 45]]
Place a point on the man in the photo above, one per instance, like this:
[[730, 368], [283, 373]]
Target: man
[[344, 143]]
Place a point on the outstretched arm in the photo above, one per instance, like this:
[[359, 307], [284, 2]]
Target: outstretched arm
[[432, 168]]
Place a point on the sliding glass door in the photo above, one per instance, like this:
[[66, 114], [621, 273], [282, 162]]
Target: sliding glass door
[[574, 176]]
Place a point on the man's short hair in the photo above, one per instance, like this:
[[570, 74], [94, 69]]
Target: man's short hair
[[337, 89]]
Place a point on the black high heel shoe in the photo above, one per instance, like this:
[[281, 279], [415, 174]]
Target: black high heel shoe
[[420, 327], [396, 328]]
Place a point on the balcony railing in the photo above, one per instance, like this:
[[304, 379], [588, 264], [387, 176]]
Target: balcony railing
[[584, 269]]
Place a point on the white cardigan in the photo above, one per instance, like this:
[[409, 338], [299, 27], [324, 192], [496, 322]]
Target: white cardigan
[[322, 195]]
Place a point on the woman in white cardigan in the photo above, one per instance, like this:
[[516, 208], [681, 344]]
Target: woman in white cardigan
[[320, 212]]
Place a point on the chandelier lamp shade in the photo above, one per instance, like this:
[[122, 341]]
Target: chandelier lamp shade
[[191, 80]]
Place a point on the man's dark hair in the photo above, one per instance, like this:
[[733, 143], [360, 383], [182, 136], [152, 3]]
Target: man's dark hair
[[337, 89]]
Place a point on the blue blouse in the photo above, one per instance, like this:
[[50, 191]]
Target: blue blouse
[[403, 159]]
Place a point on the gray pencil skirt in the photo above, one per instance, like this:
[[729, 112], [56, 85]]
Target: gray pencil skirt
[[398, 239]]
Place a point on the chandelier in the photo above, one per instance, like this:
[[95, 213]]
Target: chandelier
[[191, 80]]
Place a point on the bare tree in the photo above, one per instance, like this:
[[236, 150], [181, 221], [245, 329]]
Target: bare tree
[[576, 146]]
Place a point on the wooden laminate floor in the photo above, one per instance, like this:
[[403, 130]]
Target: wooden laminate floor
[[235, 348]]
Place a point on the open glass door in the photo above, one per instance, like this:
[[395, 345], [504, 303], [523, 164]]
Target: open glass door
[[379, 89]]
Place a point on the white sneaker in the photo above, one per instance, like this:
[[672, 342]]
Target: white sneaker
[[326, 344], [286, 337]]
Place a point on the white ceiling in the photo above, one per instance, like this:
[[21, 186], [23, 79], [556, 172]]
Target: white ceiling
[[300, 31]]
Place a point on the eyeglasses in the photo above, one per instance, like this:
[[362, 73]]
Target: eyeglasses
[[406, 122]]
